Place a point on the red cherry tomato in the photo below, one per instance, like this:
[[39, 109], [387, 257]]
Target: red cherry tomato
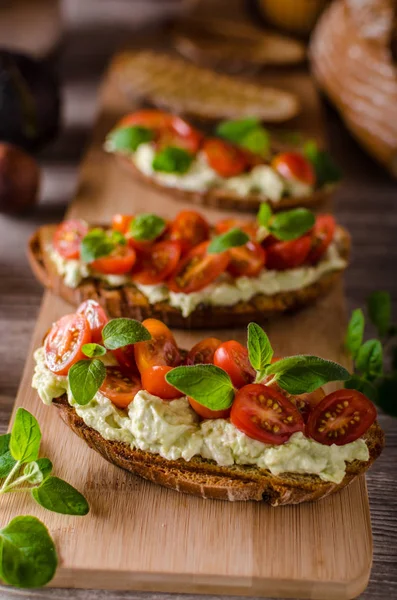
[[227, 160], [120, 388], [63, 344], [154, 382], [119, 262], [190, 229], [157, 264], [232, 357], [249, 227], [247, 260], [288, 255], [96, 317], [207, 413], [203, 352], [294, 166], [322, 235], [198, 269], [160, 350], [121, 223], [265, 415], [67, 238], [150, 118], [340, 418], [125, 356]]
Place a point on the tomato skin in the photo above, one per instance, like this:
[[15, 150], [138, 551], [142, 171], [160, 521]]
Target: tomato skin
[[294, 166], [157, 264], [154, 382], [120, 262], [67, 238], [249, 227], [227, 160], [232, 357], [150, 118], [120, 388], [125, 356], [121, 223], [322, 235], [261, 413], [160, 350], [247, 260], [66, 337], [207, 413], [96, 317], [203, 352], [288, 255], [190, 229], [198, 269], [340, 418]]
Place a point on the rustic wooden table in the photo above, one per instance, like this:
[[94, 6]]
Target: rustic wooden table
[[365, 205]]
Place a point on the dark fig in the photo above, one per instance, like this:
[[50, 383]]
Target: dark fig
[[19, 180], [29, 101]]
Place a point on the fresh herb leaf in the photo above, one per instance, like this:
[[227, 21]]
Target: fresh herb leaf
[[7, 462], [362, 385], [379, 310], [325, 168], [207, 384], [95, 245], [147, 227], [256, 141], [355, 332], [25, 437], [85, 378], [28, 557], [231, 239], [127, 139], [59, 496], [304, 373], [123, 332], [38, 470], [117, 238], [172, 160], [369, 359], [92, 350], [236, 130], [291, 224], [264, 214], [260, 351]]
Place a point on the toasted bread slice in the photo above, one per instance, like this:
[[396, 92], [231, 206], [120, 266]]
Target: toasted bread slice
[[128, 301], [181, 87], [204, 478]]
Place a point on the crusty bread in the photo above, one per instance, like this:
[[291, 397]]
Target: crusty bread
[[201, 477], [127, 301]]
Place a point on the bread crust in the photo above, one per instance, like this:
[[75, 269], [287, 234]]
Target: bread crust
[[204, 478]]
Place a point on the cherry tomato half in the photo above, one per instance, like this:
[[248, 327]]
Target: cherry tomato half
[[160, 350], [232, 357], [154, 382], [207, 413], [265, 415], [227, 160], [249, 227], [198, 269], [96, 317], [125, 356], [120, 388], [119, 262], [190, 229], [340, 418], [322, 235], [121, 222], [157, 264], [294, 166], [288, 255], [247, 260], [67, 238], [203, 352], [63, 345]]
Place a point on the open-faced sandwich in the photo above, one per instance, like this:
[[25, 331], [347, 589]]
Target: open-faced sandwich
[[220, 421], [240, 168], [189, 274]]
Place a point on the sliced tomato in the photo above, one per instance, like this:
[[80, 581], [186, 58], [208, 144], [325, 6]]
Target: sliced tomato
[[198, 269], [322, 235], [340, 418], [207, 413], [180, 137], [288, 255], [63, 345], [160, 350], [294, 166], [67, 238], [119, 262], [249, 227], [265, 415], [120, 388], [232, 357], [96, 317], [190, 229], [150, 118], [158, 264], [121, 222], [154, 382], [247, 260], [125, 356], [203, 352], [227, 160]]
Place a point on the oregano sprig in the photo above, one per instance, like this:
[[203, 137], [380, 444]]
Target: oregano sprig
[[285, 225], [98, 243]]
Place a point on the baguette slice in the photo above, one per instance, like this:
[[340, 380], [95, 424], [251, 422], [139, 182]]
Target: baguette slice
[[204, 478], [128, 301]]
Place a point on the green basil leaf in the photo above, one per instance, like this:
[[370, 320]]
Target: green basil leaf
[[387, 394], [147, 227], [231, 239], [236, 130], [369, 359], [264, 214], [25, 437], [38, 470], [172, 160], [127, 139], [85, 378], [95, 245], [355, 332], [256, 141], [362, 385], [92, 350], [379, 310], [59, 496], [260, 351], [291, 224], [7, 462], [325, 168], [207, 384], [304, 373], [118, 238], [123, 332], [28, 557]]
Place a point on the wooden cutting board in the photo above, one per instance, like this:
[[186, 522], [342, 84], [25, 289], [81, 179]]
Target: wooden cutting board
[[143, 537]]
